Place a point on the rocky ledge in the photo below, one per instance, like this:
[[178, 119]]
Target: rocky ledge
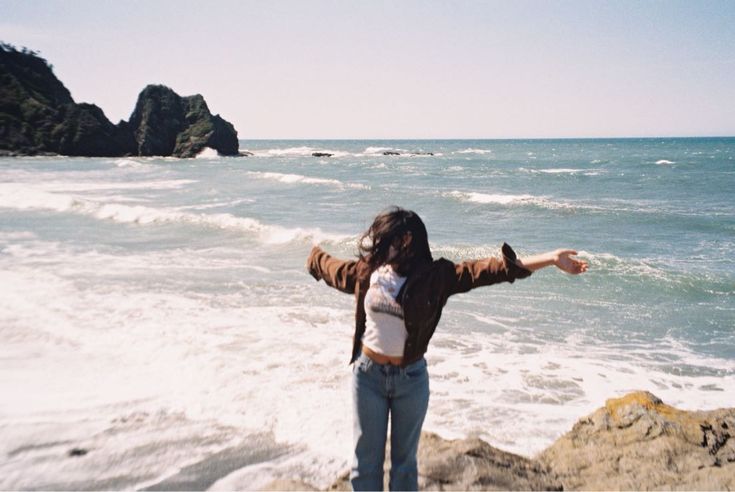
[[632, 443], [39, 116]]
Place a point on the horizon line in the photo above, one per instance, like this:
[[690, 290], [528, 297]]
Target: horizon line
[[682, 137]]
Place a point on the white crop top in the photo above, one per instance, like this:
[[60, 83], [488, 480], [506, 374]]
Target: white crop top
[[385, 332]]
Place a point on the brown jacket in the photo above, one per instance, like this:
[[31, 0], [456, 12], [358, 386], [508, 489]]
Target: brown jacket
[[424, 295]]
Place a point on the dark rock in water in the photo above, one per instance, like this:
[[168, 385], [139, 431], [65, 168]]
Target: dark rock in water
[[321, 154], [39, 116], [165, 123], [245, 153], [391, 152], [423, 153], [78, 452]]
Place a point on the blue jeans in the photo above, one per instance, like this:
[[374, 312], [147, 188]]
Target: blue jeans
[[378, 391]]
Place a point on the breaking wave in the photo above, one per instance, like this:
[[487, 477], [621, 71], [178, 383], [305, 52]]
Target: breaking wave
[[474, 151], [297, 178], [507, 199], [24, 197]]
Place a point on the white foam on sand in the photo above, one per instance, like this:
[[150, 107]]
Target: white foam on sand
[[201, 358]]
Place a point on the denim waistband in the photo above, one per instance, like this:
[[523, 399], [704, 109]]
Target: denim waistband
[[366, 363]]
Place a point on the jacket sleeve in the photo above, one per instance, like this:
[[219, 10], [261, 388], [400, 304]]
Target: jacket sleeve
[[340, 274], [477, 273]]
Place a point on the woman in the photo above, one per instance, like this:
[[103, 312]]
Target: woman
[[400, 291]]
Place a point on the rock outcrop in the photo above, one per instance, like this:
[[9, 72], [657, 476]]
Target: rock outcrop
[[470, 464], [637, 442], [39, 116], [165, 123], [633, 443]]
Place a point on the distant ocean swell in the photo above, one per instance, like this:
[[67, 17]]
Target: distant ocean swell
[[26, 197]]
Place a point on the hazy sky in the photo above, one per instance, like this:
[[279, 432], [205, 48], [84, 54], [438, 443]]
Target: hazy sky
[[402, 69]]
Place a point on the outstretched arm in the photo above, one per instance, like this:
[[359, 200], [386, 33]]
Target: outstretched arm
[[561, 258], [340, 274]]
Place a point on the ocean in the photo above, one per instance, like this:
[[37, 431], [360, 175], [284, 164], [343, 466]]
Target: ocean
[[158, 328]]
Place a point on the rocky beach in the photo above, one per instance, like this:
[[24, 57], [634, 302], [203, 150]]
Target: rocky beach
[[635, 442]]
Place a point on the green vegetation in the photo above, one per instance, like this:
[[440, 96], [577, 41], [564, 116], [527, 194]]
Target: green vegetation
[[39, 116]]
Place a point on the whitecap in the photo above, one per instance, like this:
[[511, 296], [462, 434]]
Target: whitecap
[[23, 197], [506, 199], [221, 204], [473, 151], [378, 150], [298, 178], [76, 186], [129, 163], [664, 162], [560, 171]]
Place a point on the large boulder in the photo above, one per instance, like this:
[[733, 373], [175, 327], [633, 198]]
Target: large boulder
[[632, 443], [165, 123], [638, 443], [470, 464]]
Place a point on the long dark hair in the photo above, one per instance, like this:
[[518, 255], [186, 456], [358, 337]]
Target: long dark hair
[[390, 228]]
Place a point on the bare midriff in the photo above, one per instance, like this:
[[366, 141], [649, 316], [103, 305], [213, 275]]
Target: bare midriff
[[380, 358]]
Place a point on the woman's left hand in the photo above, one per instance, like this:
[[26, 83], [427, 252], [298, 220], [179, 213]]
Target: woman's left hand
[[564, 261]]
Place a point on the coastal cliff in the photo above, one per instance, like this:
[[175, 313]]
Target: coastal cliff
[[632, 443], [39, 116]]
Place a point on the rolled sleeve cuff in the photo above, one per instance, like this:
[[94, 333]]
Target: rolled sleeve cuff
[[312, 262], [511, 266]]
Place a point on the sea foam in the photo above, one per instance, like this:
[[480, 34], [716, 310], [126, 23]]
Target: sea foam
[[25, 197], [474, 151], [506, 199], [297, 178]]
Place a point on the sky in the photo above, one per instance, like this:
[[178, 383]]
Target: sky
[[402, 69]]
